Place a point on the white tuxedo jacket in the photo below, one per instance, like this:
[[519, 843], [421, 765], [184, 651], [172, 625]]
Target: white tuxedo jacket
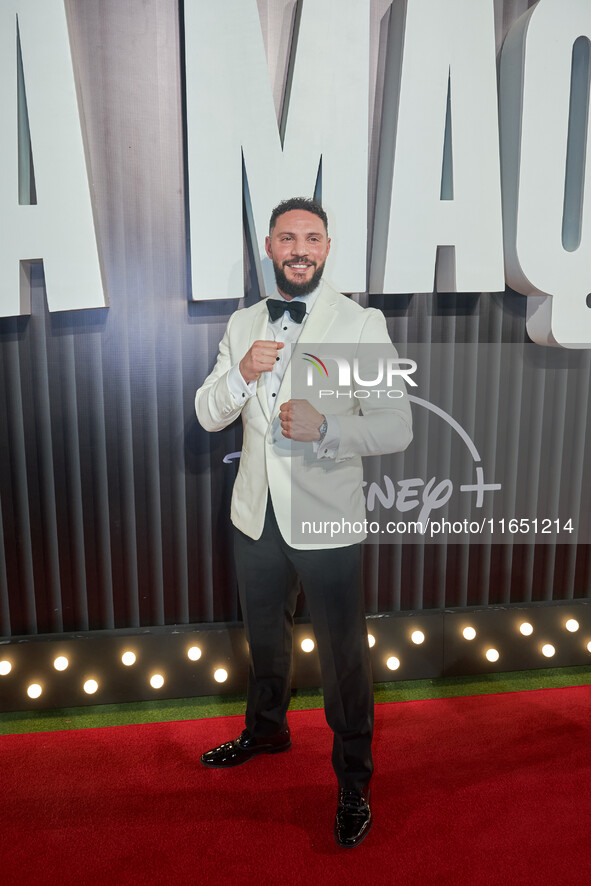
[[303, 486]]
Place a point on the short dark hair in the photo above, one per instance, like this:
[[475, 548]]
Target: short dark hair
[[306, 203]]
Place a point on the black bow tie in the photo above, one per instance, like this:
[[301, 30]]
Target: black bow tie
[[277, 308]]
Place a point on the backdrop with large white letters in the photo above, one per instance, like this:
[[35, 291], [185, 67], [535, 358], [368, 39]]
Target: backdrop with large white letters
[[143, 146]]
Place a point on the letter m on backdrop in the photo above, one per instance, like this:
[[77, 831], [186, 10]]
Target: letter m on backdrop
[[236, 147], [45, 207]]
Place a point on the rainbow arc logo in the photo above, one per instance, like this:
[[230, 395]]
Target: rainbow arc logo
[[317, 363]]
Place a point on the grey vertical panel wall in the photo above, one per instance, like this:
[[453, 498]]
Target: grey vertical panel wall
[[113, 502]]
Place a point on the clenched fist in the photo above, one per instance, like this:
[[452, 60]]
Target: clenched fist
[[260, 357], [300, 421]]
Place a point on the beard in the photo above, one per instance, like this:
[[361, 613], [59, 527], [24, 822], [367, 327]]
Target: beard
[[287, 287]]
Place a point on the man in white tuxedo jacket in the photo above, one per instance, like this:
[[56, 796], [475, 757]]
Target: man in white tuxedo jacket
[[302, 461]]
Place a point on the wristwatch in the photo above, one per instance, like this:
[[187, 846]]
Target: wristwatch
[[323, 428]]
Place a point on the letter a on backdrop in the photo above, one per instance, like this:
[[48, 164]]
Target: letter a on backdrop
[[439, 181], [58, 228], [545, 75], [233, 136]]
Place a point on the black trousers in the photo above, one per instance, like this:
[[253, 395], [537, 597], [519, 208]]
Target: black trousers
[[268, 570]]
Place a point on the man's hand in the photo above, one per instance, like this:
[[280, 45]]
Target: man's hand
[[260, 357], [300, 421]]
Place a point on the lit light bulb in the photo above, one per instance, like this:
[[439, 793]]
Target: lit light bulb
[[156, 681], [417, 637], [469, 633], [492, 654], [128, 658], [307, 645], [90, 687], [526, 629], [548, 650], [220, 675], [61, 663], [371, 640], [34, 690], [5, 668], [393, 663], [572, 625], [589, 646], [194, 653]]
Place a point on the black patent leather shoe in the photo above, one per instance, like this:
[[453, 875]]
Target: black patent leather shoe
[[353, 819], [245, 747]]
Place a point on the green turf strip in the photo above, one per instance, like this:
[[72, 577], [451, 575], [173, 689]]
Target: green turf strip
[[222, 706]]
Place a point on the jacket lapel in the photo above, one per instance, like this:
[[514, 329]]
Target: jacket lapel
[[258, 332]]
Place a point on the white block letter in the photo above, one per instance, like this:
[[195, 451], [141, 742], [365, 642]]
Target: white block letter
[[59, 228], [435, 48], [546, 153], [231, 120]]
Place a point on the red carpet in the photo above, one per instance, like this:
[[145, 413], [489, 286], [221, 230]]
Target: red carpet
[[481, 790]]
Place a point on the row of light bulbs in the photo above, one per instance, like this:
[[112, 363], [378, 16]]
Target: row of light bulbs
[[220, 675], [492, 655], [417, 637], [157, 680], [526, 629], [392, 662], [128, 658]]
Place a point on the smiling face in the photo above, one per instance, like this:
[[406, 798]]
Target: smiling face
[[298, 246]]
